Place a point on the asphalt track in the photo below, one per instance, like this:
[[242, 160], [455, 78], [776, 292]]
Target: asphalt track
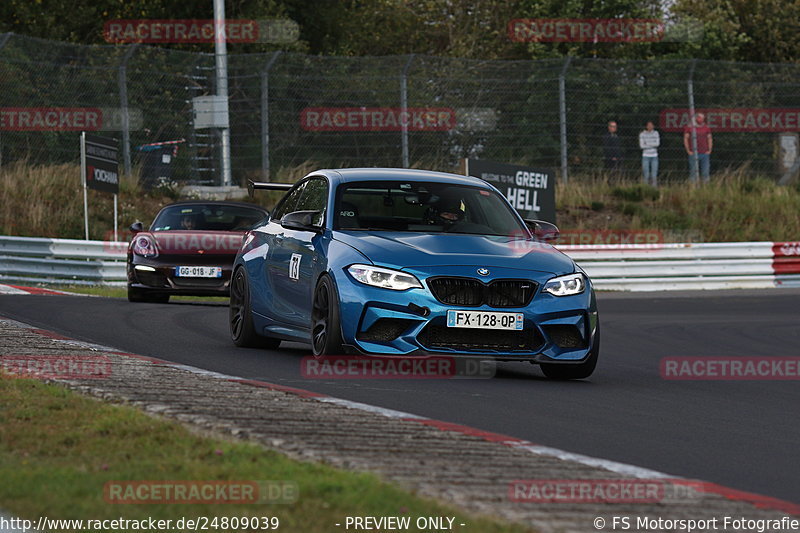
[[742, 434]]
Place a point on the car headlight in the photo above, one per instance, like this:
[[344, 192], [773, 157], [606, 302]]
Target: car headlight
[[566, 285], [386, 278], [144, 246]]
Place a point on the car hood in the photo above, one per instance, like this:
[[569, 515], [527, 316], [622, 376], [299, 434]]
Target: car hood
[[406, 250], [196, 242]]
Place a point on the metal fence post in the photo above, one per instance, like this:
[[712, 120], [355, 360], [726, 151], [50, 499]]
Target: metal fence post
[[404, 109], [562, 112], [694, 175], [123, 105], [3, 40], [221, 62], [265, 116]]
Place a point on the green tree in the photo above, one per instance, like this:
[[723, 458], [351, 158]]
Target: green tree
[[455, 28], [83, 21], [744, 30], [595, 9]]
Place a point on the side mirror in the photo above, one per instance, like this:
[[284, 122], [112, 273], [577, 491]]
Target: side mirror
[[302, 221], [542, 230], [136, 227]]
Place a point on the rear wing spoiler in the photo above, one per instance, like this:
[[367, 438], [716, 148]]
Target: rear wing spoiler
[[266, 185]]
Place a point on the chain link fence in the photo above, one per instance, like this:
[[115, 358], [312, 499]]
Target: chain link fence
[[289, 110]]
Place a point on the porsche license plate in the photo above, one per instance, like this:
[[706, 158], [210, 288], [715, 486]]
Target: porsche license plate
[[484, 320], [198, 272]]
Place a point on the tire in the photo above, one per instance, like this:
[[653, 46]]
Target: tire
[[240, 316], [326, 328], [139, 295], [575, 371]]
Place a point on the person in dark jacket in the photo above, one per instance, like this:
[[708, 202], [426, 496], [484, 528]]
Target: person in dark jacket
[[612, 148]]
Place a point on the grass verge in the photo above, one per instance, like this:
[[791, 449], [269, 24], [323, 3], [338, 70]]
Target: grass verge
[[59, 448]]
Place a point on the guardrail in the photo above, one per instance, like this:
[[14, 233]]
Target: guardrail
[[635, 267], [62, 261], [686, 266]]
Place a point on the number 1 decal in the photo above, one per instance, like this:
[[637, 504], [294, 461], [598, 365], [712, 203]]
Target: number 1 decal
[[294, 267]]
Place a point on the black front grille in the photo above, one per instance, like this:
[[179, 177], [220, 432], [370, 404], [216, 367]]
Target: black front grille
[[510, 293], [385, 330], [205, 283], [437, 337], [457, 291], [565, 336], [151, 279], [470, 292]]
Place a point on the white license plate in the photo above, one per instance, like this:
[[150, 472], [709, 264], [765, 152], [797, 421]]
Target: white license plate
[[484, 320], [198, 272]]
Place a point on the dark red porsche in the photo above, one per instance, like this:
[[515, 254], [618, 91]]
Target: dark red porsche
[[189, 249]]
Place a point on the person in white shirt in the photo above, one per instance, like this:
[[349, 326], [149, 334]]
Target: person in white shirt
[[649, 141]]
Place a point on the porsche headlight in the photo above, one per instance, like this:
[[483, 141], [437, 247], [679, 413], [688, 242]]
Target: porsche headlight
[[566, 285], [144, 246], [385, 278]]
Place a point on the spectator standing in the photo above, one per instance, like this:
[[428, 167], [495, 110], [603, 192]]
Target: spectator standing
[[649, 141], [612, 148], [705, 143]]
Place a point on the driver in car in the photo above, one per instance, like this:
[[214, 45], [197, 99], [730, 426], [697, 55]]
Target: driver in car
[[188, 222], [449, 212]]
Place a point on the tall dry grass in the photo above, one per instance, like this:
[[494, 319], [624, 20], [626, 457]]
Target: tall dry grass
[[47, 201], [43, 201], [733, 207]]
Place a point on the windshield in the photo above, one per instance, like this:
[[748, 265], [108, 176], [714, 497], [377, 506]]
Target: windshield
[[424, 207], [207, 217]]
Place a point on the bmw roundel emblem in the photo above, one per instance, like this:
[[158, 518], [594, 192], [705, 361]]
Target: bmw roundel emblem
[[483, 271]]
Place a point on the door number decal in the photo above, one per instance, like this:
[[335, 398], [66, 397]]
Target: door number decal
[[294, 267]]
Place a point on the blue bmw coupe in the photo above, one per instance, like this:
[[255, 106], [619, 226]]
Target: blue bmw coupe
[[405, 263]]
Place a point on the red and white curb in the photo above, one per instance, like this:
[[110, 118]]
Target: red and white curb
[[18, 289], [758, 501]]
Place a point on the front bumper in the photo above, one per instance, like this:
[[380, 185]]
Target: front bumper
[[413, 322], [162, 278]]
